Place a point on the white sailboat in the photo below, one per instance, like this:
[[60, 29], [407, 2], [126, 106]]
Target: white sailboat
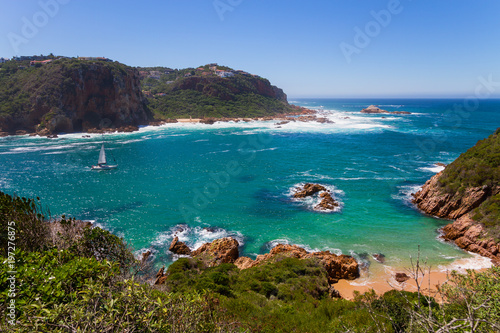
[[101, 163]]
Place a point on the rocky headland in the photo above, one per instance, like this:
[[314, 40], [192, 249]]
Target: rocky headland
[[225, 250], [376, 109], [70, 95], [468, 192]]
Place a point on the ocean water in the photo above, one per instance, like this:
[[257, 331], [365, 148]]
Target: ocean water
[[203, 182]]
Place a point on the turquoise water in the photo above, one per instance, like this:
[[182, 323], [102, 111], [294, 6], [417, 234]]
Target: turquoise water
[[208, 181]]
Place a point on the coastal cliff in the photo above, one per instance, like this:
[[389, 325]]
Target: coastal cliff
[[70, 95], [468, 190]]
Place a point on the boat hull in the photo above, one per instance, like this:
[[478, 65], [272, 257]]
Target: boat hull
[[104, 167]]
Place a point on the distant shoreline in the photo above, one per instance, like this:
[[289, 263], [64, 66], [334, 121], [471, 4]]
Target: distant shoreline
[[302, 114]]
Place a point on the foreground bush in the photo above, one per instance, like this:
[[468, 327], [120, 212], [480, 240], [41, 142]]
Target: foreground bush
[[58, 291]]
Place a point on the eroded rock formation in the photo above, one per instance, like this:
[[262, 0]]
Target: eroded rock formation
[[464, 231], [178, 247], [223, 250]]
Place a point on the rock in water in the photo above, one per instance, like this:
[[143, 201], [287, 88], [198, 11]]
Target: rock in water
[[308, 190], [376, 109], [178, 247], [328, 203], [379, 257]]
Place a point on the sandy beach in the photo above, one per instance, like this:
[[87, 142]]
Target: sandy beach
[[188, 120], [382, 278]]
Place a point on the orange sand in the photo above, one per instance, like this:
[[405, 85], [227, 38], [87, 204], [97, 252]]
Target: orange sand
[[381, 278]]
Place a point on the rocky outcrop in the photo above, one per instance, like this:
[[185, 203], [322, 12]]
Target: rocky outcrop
[[471, 236], [376, 109], [178, 247], [69, 95], [337, 266], [327, 203], [161, 277], [223, 250], [433, 200], [379, 257], [464, 231]]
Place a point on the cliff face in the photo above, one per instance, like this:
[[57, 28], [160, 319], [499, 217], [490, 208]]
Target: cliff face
[[467, 233], [432, 200], [470, 196], [75, 96]]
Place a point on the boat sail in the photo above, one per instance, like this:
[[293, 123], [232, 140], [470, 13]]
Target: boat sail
[[102, 156], [101, 163]]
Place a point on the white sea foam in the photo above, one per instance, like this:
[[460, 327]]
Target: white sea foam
[[194, 237], [307, 174], [285, 241], [462, 265], [218, 152], [405, 193], [433, 168]]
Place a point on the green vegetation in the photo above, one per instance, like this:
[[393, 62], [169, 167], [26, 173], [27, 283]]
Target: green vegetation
[[32, 96], [204, 94], [478, 166], [77, 279], [23, 89]]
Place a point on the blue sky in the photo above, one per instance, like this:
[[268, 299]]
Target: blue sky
[[333, 48]]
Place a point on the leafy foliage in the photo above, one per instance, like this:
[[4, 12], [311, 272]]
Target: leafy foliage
[[478, 166], [472, 301], [284, 296], [59, 291], [25, 219], [174, 96], [103, 245], [23, 88]]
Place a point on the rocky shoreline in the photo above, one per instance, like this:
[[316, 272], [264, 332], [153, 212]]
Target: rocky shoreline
[[301, 115], [464, 231], [225, 250]]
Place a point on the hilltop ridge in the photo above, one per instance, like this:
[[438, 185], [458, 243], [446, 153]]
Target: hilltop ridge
[[48, 95], [211, 91]]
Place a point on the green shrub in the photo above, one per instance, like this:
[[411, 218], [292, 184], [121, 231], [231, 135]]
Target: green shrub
[[478, 166], [103, 245], [25, 220]]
